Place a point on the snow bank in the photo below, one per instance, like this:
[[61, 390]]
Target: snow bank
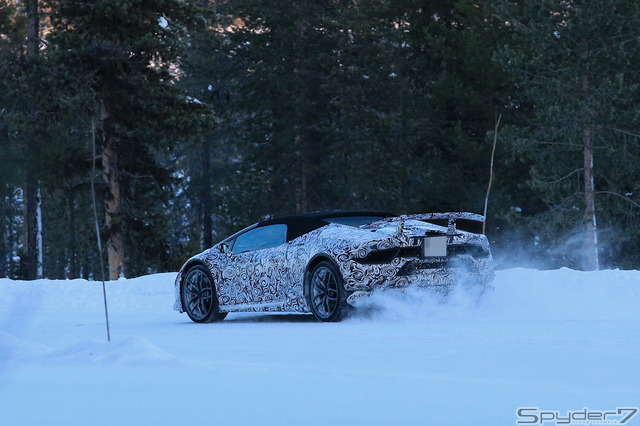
[[130, 351], [144, 293], [565, 294], [57, 305]]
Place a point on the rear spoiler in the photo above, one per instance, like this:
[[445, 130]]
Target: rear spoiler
[[450, 217]]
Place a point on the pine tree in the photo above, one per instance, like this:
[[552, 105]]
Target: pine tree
[[20, 71], [575, 63], [207, 160], [367, 104], [12, 34], [127, 54], [283, 54]]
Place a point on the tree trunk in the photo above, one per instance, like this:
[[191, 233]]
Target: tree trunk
[[302, 199], [300, 128], [40, 262], [591, 234], [33, 29], [205, 196], [111, 175], [30, 240], [30, 189], [72, 251], [591, 230]]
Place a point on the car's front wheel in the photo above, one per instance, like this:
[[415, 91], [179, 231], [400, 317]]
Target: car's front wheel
[[199, 297], [327, 297]]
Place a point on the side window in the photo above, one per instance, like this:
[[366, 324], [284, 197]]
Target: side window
[[261, 238]]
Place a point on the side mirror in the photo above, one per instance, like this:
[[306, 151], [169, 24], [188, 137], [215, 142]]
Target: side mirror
[[224, 247]]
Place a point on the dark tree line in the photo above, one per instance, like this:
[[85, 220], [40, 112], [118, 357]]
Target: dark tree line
[[206, 116]]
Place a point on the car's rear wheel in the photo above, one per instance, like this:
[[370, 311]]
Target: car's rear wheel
[[199, 297], [327, 297]]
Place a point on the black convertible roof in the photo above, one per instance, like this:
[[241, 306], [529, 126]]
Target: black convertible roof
[[300, 224]]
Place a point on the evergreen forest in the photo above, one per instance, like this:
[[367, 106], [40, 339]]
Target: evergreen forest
[[165, 125]]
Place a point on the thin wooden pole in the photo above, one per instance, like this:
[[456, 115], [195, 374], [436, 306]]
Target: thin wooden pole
[[95, 216], [493, 153]]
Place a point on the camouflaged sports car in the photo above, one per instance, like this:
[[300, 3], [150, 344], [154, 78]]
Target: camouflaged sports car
[[322, 262]]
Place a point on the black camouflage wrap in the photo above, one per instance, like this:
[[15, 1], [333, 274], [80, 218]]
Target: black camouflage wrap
[[273, 279]]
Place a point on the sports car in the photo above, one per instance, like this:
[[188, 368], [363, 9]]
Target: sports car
[[320, 263]]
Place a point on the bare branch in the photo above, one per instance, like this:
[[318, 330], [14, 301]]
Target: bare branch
[[568, 144], [624, 132], [620, 196], [565, 177]]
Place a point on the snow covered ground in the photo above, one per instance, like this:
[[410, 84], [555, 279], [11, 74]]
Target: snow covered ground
[[557, 340]]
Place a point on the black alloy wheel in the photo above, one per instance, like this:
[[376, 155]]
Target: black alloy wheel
[[199, 297], [327, 297]]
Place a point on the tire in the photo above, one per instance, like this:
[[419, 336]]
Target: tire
[[326, 295], [199, 298]]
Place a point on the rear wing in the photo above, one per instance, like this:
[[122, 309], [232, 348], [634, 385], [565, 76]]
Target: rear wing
[[450, 217]]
